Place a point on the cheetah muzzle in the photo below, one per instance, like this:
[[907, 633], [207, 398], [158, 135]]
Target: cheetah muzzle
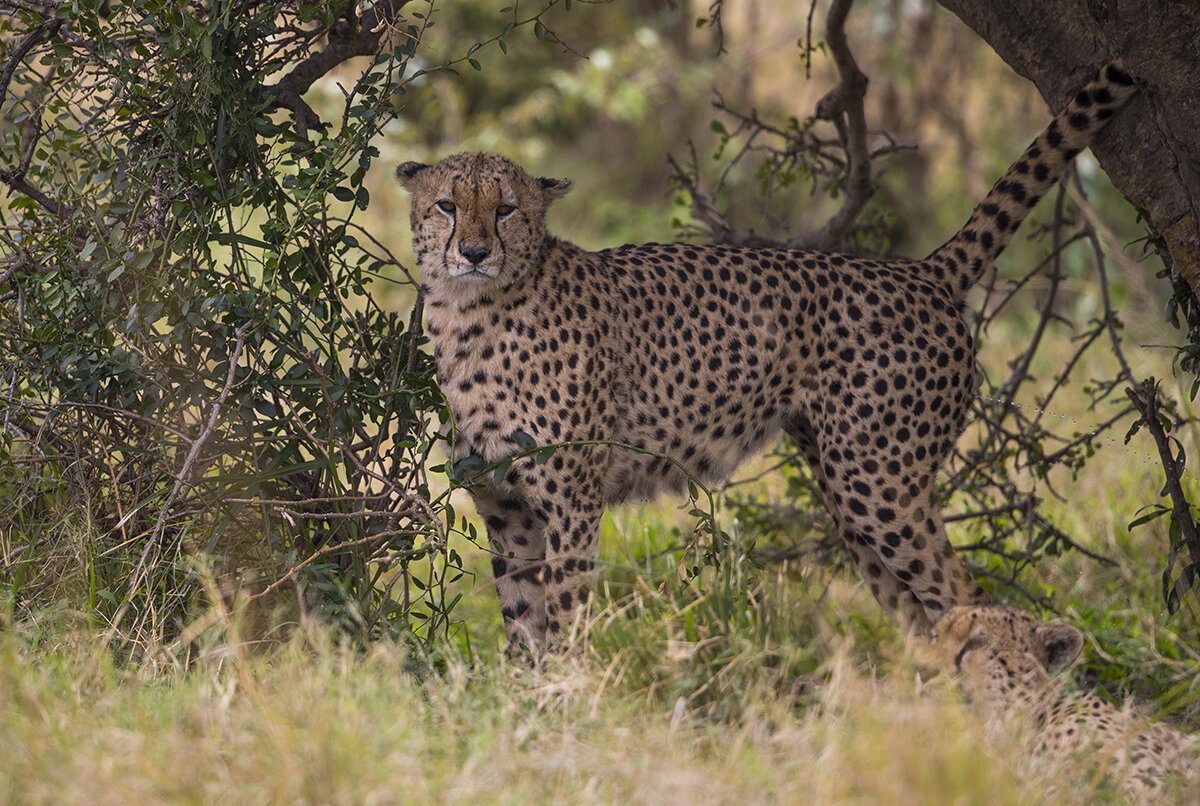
[[697, 356]]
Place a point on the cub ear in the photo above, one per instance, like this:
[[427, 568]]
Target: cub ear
[[554, 188], [407, 173], [1061, 642]]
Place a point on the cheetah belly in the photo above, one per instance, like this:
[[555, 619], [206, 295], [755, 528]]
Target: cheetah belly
[[695, 408], [706, 448]]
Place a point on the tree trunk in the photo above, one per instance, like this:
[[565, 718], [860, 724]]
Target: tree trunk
[[1152, 150]]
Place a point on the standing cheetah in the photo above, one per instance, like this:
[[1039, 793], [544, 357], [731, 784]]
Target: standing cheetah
[[697, 356]]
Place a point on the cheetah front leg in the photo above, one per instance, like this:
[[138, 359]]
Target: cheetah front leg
[[515, 533], [572, 547], [544, 527], [566, 492]]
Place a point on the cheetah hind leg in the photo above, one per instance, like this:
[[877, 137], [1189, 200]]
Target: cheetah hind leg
[[908, 562], [899, 537], [515, 535], [889, 591]]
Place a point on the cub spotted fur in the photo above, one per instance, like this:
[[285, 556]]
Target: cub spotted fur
[[1004, 658], [697, 356]]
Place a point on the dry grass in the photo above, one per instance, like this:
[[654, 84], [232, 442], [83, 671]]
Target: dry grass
[[772, 686], [310, 723]]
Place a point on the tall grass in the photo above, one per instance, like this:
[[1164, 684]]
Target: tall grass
[[755, 682], [764, 686]]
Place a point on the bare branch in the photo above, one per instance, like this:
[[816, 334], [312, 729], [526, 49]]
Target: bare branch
[[843, 106], [184, 475]]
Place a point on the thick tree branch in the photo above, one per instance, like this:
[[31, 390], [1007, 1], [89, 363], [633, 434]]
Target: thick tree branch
[[1152, 149], [346, 41]]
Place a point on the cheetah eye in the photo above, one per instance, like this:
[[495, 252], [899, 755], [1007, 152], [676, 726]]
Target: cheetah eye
[[505, 210], [446, 206]]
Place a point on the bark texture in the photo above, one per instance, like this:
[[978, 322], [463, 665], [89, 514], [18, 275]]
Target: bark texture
[[1152, 150]]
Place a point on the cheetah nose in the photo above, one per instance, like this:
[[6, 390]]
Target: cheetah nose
[[475, 254]]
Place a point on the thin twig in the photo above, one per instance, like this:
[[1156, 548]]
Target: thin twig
[[43, 33], [316, 555]]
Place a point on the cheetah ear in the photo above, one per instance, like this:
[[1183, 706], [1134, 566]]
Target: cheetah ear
[[1061, 642], [554, 188], [407, 173]]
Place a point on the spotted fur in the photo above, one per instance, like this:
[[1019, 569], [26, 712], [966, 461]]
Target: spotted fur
[[697, 356], [1004, 658]]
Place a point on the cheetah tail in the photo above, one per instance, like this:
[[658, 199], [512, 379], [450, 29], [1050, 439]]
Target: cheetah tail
[[961, 261]]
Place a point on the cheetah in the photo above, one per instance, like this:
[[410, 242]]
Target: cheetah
[[652, 364], [1004, 658]]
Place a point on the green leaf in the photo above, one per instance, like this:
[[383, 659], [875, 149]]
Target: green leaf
[[1158, 512], [344, 194], [523, 440], [234, 237], [468, 466]]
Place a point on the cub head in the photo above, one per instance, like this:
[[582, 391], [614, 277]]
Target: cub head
[[1003, 654], [478, 220], [1055, 644]]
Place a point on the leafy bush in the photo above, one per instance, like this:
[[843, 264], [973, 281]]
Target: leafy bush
[[198, 368]]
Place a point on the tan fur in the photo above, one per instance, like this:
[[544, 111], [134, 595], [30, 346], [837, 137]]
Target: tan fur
[[1004, 658]]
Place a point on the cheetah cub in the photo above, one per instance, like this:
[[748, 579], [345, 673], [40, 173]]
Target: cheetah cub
[[1004, 658], [696, 356]]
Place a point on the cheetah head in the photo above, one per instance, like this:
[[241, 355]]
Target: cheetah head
[[1003, 654], [478, 220]]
